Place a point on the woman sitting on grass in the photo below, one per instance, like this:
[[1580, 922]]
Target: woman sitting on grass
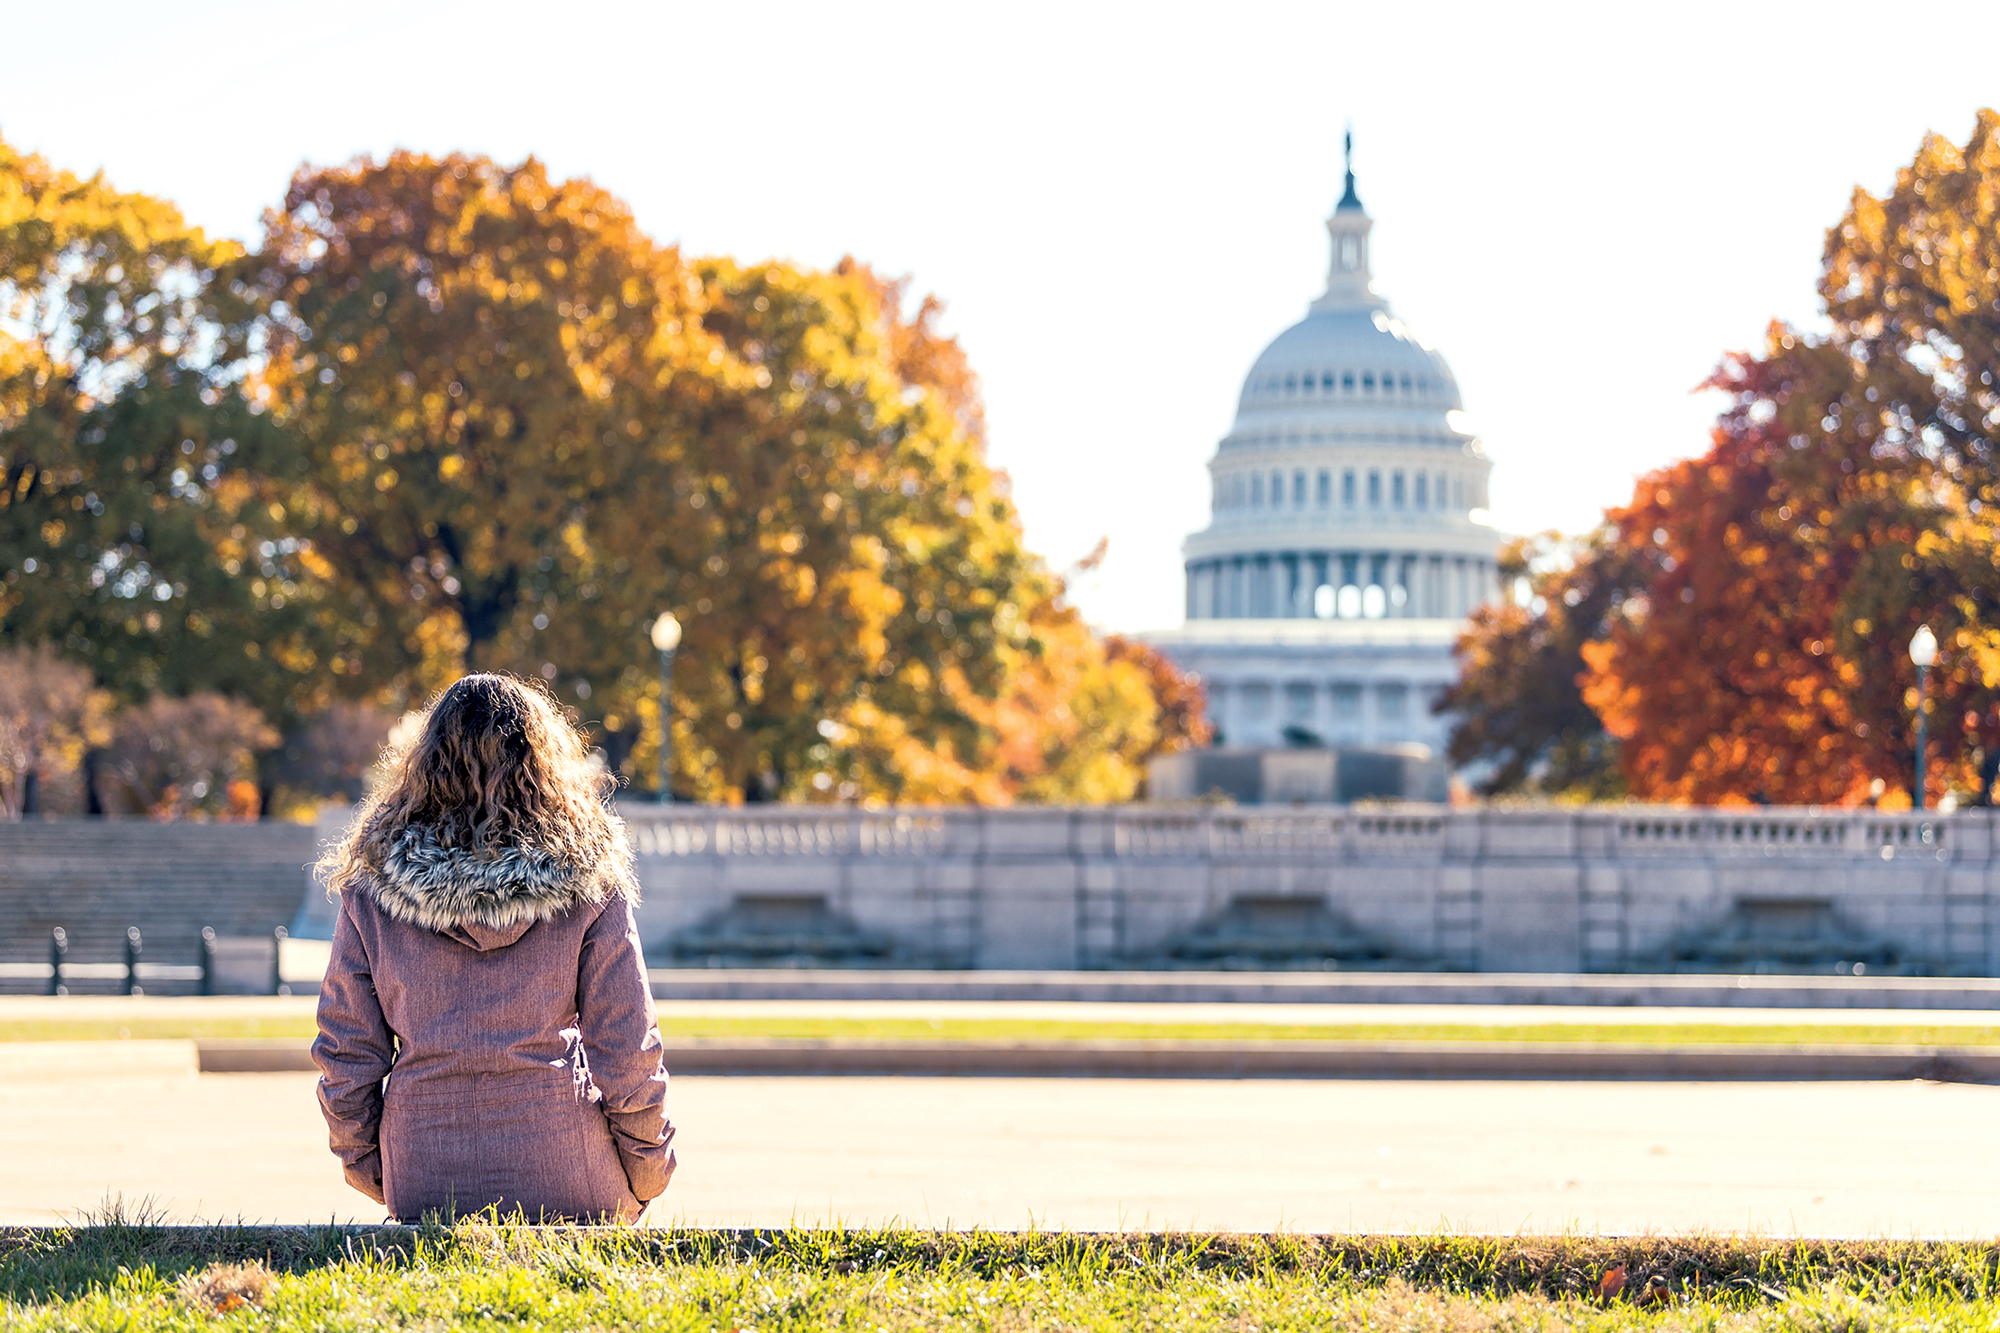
[[486, 965]]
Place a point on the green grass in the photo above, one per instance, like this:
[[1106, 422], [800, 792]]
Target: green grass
[[153, 1029], [123, 1274], [898, 1029]]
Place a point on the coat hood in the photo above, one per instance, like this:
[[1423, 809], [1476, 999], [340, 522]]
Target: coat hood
[[489, 900]]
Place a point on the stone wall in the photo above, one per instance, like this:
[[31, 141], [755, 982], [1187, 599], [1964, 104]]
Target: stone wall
[[1604, 890], [1599, 890]]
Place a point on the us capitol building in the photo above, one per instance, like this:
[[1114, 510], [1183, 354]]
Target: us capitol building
[[1348, 539]]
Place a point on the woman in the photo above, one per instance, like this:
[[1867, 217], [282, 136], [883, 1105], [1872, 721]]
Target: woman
[[486, 1031]]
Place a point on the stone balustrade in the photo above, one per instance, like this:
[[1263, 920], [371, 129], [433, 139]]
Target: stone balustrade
[[1586, 889], [1603, 889]]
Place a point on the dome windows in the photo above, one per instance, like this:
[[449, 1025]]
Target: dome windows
[[1322, 384], [1374, 489], [1347, 488], [1423, 488], [1396, 489], [1325, 489]]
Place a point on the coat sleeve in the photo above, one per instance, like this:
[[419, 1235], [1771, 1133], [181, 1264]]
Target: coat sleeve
[[354, 1050], [621, 1045]]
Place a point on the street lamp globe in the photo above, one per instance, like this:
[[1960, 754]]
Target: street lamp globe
[[666, 636], [1923, 651]]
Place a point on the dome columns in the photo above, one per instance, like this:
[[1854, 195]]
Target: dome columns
[[1339, 585]]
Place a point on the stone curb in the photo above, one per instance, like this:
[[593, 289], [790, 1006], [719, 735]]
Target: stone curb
[[1297, 1059], [1632, 990]]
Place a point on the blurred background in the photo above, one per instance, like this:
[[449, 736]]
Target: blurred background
[[1114, 208]]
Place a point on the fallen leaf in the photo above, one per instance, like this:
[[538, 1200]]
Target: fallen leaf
[[1611, 1283]]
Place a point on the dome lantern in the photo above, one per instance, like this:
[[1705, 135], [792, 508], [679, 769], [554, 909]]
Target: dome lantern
[[1349, 281]]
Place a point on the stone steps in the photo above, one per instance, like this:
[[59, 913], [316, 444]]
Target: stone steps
[[94, 878]]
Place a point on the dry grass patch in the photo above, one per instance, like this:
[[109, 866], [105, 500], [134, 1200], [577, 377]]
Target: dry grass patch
[[221, 1288]]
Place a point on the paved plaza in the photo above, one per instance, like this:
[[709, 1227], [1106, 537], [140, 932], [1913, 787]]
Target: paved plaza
[[1898, 1159]]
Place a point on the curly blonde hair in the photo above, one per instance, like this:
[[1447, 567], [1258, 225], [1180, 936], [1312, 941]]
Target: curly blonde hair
[[494, 766]]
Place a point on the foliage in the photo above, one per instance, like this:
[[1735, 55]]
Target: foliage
[[524, 431], [331, 755], [123, 448], [464, 361], [845, 566], [50, 713], [1182, 722], [454, 415], [1523, 718], [189, 757], [1756, 649], [1079, 722], [134, 1274], [1725, 681]]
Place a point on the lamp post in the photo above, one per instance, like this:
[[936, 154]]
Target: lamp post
[[666, 638], [1923, 651]]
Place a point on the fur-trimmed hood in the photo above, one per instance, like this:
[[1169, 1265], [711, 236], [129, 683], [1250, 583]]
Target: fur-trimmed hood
[[489, 901]]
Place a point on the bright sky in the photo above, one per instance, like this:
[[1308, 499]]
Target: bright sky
[[1582, 207]]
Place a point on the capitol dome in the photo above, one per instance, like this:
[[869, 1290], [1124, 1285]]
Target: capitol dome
[[1347, 538], [1349, 486], [1331, 355]]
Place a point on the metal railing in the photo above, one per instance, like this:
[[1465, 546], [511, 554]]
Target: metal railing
[[218, 954]]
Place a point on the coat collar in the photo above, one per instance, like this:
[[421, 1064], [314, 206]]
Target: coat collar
[[448, 889]]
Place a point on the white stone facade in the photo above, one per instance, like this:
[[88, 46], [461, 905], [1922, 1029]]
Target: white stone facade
[[1348, 537]]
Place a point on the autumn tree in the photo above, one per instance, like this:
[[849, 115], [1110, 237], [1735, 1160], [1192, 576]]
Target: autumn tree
[[523, 431], [457, 415], [1521, 721], [467, 361], [1182, 721], [188, 757], [1846, 498], [328, 758], [1845, 502], [1912, 287], [124, 450], [857, 599], [1726, 680], [51, 712]]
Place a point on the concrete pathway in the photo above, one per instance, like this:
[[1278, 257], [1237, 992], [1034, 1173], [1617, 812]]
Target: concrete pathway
[[1898, 1159]]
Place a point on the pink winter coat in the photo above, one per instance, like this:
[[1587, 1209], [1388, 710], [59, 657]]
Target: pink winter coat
[[487, 1036]]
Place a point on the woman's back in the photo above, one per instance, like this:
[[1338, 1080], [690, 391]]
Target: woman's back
[[497, 984]]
